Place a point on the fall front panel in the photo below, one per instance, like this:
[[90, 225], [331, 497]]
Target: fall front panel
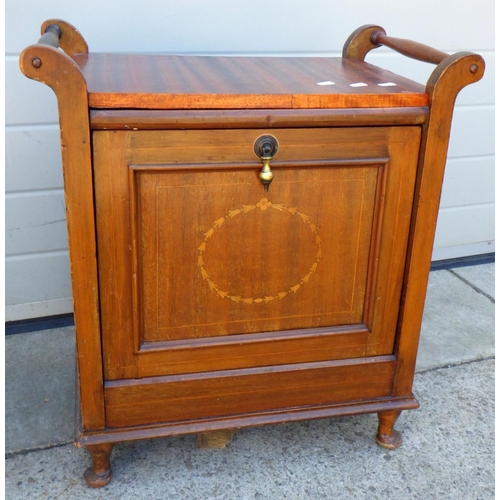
[[201, 269]]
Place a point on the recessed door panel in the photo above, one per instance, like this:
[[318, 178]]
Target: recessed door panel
[[216, 255]]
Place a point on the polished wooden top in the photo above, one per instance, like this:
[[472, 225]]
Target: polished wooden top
[[221, 82]]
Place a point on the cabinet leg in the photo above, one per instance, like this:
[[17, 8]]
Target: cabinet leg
[[100, 473], [387, 436]]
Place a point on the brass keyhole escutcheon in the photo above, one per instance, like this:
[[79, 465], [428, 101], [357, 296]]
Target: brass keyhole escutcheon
[[265, 147]]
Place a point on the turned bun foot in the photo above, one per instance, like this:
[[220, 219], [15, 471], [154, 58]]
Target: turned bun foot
[[97, 479], [387, 436], [390, 442], [100, 473]]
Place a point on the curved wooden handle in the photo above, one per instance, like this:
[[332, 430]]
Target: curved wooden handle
[[71, 41], [51, 36], [408, 48]]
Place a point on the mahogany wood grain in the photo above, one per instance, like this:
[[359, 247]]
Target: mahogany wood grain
[[404, 143], [387, 436], [100, 473], [252, 350], [166, 429], [212, 82], [359, 42], [78, 185], [163, 254], [133, 119], [409, 48], [369, 37], [445, 83], [236, 392], [250, 261], [183, 315], [113, 239]]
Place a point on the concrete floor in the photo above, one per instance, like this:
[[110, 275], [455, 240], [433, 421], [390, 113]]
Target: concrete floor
[[448, 449]]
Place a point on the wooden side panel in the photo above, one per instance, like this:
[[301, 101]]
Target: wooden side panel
[[59, 72], [233, 392], [446, 81]]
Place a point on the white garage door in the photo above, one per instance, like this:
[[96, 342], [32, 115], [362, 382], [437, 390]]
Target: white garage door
[[37, 269]]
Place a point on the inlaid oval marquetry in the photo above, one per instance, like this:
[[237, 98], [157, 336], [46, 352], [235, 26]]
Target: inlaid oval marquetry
[[264, 205]]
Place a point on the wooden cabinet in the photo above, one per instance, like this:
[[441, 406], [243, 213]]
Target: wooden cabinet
[[210, 297]]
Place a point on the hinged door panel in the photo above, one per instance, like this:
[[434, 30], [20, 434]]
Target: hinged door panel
[[201, 269]]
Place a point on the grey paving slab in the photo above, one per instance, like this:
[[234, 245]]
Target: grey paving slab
[[39, 389], [447, 453], [40, 366], [481, 276], [458, 324]]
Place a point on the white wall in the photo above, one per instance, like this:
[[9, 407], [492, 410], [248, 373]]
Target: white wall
[[37, 269]]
